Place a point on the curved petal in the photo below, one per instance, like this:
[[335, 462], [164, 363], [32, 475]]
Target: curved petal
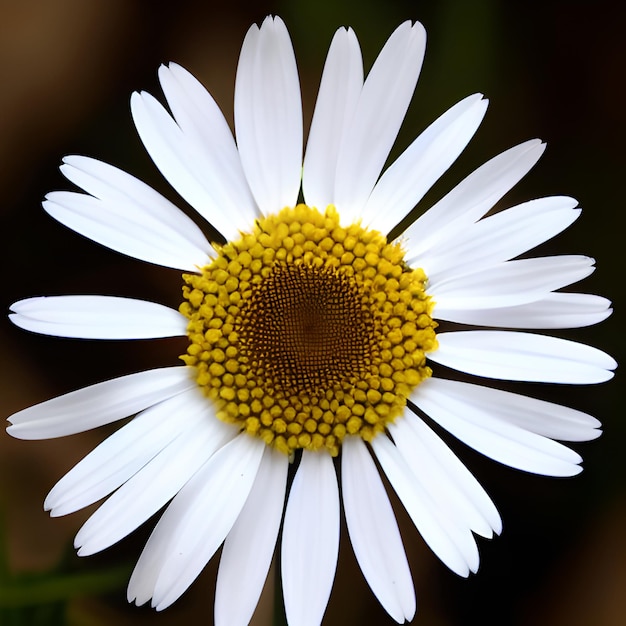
[[511, 283], [157, 482], [249, 546], [374, 532], [507, 355], [310, 541], [470, 199], [382, 105], [268, 115], [128, 216], [474, 424], [340, 87], [97, 317], [413, 173], [195, 523], [449, 483], [499, 237], [123, 454], [452, 543], [100, 404], [203, 125], [556, 310]]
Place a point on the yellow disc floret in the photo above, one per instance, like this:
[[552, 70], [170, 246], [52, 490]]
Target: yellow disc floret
[[304, 331]]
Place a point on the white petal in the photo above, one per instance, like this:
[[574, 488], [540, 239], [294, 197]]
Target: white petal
[[509, 355], [195, 523], [100, 404], [510, 283], [340, 87], [383, 103], [478, 427], [310, 539], [97, 317], [249, 546], [499, 237], [453, 544], [413, 173], [536, 416], [127, 216], [470, 199], [449, 482], [374, 532], [121, 455], [556, 310], [203, 125], [157, 482], [268, 115]]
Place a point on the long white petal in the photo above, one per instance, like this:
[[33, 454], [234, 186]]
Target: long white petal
[[310, 539], [470, 199], [121, 455], [195, 523], [249, 546], [502, 441], [529, 357], [499, 237], [449, 483], [374, 532], [99, 404], [157, 482], [97, 317], [453, 544], [556, 310], [268, 115], [536, 416], [413, 173], [511, 283], [340, 87], [204, 125], [128, 216], [383, 103]]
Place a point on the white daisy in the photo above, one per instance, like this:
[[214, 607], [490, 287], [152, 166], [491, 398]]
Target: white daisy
[[311, 334]]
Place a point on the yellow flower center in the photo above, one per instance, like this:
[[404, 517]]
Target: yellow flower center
[[303, 331]]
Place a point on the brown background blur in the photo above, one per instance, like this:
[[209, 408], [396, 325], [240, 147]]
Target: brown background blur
[[554, 70]]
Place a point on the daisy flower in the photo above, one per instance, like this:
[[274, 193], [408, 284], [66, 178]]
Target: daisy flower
[[312, 334]]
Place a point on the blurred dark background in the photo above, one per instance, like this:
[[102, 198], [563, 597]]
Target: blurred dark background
[[554, 70]]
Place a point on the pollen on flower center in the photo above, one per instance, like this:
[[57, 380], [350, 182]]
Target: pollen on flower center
[[303, 331]]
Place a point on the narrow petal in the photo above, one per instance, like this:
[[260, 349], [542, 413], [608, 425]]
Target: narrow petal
[[449, 482], [204, 126], [453, 544], [340, 87], [249, 546], [412, 174], [509, 355], [97, 317], [499, 237], [470, 199], [99, 404], [477, 426], [157, 482], [556, 310], [195, 523], [128, 216], [268, 115], [374, 532], [511, 283], [122, 454], [537, 416], [381, 108], [310, 541]]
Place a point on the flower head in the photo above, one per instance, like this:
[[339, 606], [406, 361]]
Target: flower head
[[312, 334]]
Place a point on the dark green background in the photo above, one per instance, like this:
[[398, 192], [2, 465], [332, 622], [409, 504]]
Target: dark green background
[[554, 70]]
